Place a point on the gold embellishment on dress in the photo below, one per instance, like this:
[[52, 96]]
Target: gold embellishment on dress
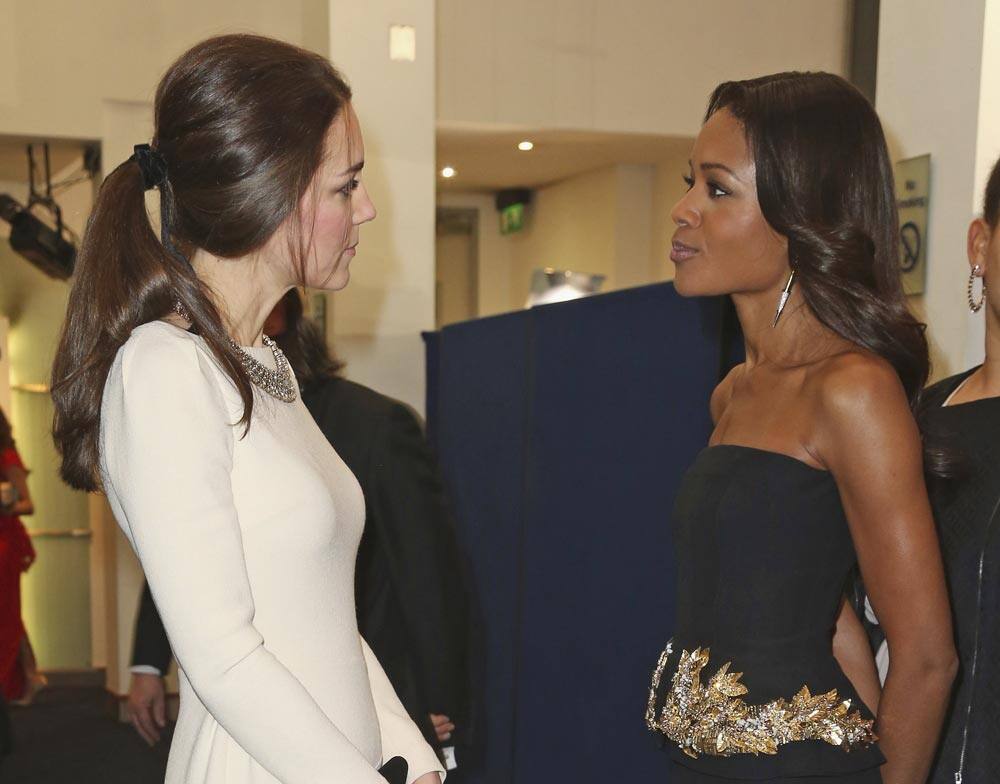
[[715, 720]]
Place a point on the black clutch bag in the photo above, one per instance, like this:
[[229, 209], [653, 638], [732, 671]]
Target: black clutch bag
[[395, 770]]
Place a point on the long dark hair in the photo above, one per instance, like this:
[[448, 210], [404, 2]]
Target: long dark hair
[[825, 182], [305, 345], [6, 433], [240, 122]]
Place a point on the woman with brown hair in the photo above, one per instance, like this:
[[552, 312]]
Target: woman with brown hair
[[815, 461], [171, 400]]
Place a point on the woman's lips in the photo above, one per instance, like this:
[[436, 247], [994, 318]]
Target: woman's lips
[[681, 252]]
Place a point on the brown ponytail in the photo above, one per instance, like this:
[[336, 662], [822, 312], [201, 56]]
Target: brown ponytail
[[240, 126]]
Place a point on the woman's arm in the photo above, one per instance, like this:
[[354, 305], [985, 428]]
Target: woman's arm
[[868, 439], [400, 736], [854, 654]]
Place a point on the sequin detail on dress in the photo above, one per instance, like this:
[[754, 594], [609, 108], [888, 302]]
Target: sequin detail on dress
[[714, 720]]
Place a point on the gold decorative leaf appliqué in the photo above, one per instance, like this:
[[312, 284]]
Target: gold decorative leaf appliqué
[[714, 719]]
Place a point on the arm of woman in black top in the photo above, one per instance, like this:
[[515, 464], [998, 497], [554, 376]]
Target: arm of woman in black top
[[868, 439]]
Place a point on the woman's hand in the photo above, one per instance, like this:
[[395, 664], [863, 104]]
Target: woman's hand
[[443, 726], [429, 778]]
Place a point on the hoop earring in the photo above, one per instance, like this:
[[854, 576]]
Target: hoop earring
[[784, 298], [975, 306]]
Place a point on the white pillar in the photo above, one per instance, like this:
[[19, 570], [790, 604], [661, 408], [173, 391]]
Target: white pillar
[[377, 320], [938, 74]]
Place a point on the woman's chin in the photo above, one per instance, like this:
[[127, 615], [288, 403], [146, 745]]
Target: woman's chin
[[335, 281], [684, 287]]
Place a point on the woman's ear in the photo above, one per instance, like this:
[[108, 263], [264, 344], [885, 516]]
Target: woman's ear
[[979, 241]]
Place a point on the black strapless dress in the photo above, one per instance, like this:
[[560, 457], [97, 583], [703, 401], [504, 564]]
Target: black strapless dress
[[763, 555]]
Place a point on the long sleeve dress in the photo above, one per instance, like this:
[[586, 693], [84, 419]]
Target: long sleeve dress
[[248, 542]]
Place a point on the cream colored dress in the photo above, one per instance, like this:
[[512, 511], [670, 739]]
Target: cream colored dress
[[249, 545]]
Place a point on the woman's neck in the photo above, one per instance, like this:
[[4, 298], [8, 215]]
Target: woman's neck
[[798, 337], [244, 290]]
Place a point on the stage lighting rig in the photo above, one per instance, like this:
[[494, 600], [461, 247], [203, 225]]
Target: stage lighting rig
[[49, 248]]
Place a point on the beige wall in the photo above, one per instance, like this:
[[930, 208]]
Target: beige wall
[[377, 320], [937, 93], [636, 65], [668, 188], [570, 225], [614, 221], [493, 252], [633, 224], [60, 60], [455, 272]]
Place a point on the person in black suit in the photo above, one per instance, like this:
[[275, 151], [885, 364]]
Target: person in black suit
[[411, 597]]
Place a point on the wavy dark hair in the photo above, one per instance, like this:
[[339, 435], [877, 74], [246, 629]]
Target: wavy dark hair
[[240, 122], [305, 345], [825, 182]]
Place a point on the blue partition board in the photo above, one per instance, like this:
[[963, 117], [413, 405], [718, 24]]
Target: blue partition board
[[563, 433], [620, 390], [480, 416]]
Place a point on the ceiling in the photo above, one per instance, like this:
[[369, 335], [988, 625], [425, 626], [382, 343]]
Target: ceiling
[[487, 160]]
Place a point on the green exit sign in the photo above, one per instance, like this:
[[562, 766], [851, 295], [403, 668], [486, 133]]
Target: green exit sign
[[512, 218]]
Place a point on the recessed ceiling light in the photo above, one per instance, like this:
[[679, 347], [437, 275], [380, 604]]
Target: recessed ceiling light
[[526, 145], [448, 172]]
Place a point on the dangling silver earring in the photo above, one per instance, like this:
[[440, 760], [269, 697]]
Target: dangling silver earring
[[784, 298], [975, 306]]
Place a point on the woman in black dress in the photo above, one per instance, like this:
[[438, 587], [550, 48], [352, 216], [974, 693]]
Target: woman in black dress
[[966, 409], [815, 461]]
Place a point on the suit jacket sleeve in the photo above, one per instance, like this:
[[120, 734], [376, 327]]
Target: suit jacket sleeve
[[416, 528], [151, 646]]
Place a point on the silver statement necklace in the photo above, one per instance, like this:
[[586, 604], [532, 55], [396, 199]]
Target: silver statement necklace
[[277, 382]]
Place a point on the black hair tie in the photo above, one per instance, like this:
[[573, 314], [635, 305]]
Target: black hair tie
[[154, 175], [151, 164]]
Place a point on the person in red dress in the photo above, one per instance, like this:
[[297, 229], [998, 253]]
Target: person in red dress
[[18, 675]]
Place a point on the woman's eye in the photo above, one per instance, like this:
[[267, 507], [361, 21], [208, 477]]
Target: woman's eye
[[715, 191], [688, 180], [350, 187]]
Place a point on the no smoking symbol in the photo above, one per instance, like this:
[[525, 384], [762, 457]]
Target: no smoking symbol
[[909, 238]]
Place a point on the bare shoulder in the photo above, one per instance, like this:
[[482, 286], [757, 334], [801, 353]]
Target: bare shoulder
[[861, 406], [854, 381], [723, 393]]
